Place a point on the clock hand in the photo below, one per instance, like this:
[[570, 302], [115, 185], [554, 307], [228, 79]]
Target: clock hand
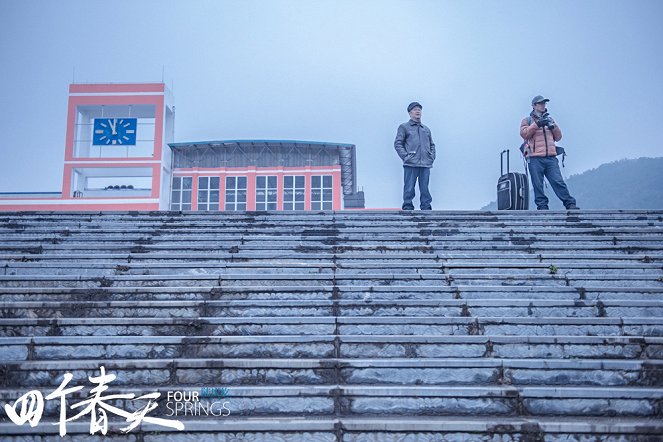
[[113, 125]]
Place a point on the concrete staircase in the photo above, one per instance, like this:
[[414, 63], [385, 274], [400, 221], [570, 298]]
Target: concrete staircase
[[342, 326]]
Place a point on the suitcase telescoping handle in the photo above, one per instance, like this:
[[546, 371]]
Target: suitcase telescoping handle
[[505, 151]]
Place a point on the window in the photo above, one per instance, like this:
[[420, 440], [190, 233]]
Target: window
[[321, 192], [266, 190], [208, 193], [235, 193], [293, 192], [180, 198]]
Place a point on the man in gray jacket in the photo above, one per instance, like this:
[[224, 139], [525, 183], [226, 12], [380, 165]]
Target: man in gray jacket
[[414, 144]]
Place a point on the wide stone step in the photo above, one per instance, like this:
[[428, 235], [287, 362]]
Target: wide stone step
[[196, 372], [156, 234], [368, 429], [319, 325], [409, 400], [335, 214], [398, 234], [329, 307], [225, 222], [365, 293], [425, 249], [446, 218], [229, 267], [331, 278], [205, 241], [325, 346], [256, 256], [242, 326]]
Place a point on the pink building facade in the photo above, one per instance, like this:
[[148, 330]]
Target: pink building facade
[[119, 155]]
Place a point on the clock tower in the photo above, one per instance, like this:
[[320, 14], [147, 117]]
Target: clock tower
[[116, 154]]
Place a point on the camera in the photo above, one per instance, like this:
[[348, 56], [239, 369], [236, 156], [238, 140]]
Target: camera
[[546, 121]]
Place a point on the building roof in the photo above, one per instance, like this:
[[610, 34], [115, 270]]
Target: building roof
[[258, 142], [346, 152]]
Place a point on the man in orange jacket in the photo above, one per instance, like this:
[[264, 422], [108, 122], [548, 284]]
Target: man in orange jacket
[[540, 133]]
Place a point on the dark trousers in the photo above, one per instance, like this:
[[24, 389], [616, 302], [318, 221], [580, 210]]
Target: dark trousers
[[548, 167], [411, 175]]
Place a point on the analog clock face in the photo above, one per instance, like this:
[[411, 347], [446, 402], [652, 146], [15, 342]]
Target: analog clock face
[[114, 131]]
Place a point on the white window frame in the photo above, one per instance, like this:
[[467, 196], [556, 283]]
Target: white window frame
[[292, 202], [235, 205], [264, 203], [181, 190], [322, 203], [209, 205]]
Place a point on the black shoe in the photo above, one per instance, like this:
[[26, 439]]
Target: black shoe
[[542, 208], [572, 207], [408, 208]]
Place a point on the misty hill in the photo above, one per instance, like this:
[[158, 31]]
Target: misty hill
[[623, 184]]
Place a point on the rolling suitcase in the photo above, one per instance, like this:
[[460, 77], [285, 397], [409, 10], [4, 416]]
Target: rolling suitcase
[[512, 188]]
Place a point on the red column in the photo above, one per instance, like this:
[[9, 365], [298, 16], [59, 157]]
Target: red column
[[194, 191], [251, 189], [156, 181], [337, 191], [222, 192], [279, 190], [67, 181], [307, 190]]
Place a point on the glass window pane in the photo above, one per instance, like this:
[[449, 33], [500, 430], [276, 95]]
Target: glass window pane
[[299, 195], [315, 181], [241, 206], [299, 206], [271, 195], [260, 194], [202, 196], [174, 207], [186, 206], [203, 182], [287, 181], [287, 206], [287, 194], [214, 182], [176, 197], [186, 197], [271, 206], [315, 206], [214, 207], [202, 208], [299, 182], [327, 194], [327, 206], [327, 180], [271, 181], [241, 196], [260, 181], [214, 196], [230, 182], [260, 206], [230, 206], [186, 182], [177, 182], [241, 182], [315, 194]]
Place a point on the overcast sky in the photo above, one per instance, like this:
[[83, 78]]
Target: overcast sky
[[344, 71]]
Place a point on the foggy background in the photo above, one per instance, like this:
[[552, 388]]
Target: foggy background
[[344, 71]]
